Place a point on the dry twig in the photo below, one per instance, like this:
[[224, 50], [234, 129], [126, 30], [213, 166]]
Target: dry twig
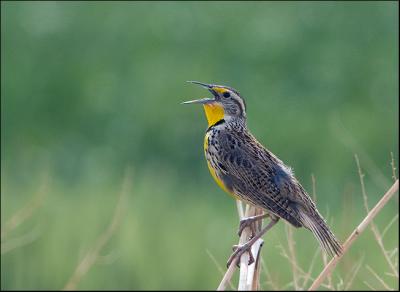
[[269, 280], [378, 278], [374, 228], [355, 234], [353, 275], [393, 167], [396, 217], [292, 255], [314, 192], [219, 267], [369, 286], [249, 274], [307, 276]]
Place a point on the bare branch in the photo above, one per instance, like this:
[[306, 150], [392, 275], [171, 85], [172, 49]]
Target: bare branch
[[374, 228], [355, 234], [219, 267], [325, 261], [361, 175]]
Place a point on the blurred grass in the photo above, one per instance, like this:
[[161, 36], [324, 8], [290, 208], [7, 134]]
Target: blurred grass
[[89, 89]]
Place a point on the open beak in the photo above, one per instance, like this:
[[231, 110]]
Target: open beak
[[205, 100], [202, 101]]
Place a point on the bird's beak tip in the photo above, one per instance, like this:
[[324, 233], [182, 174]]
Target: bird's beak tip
[[205, 85]]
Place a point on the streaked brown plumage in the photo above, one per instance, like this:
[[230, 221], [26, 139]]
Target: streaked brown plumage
[[250, 172]]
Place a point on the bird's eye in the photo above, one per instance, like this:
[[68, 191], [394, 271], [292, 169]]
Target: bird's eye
[[226, 94]]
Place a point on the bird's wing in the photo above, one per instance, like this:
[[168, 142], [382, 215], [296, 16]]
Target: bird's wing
[[257, 176], [261, 178]]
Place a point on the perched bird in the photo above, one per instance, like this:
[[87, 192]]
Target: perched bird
[[248, 171]]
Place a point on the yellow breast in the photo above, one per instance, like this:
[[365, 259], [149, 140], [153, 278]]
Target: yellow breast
[[213, 173]]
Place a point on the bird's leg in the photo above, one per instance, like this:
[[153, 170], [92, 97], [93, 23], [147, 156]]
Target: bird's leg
[[241, 249], [248, 222]]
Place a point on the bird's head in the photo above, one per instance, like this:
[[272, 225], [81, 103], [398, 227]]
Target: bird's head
[[226, 103]]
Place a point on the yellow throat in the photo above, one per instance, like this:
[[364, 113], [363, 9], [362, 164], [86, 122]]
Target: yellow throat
[[214, 113]]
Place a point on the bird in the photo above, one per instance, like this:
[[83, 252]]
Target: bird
[[249, 172]]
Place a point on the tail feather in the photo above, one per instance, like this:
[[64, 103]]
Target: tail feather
[[327, 240]]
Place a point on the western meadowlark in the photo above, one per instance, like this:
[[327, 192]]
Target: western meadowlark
[[242, 167]]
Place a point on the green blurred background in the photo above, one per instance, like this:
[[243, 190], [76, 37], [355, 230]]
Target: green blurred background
[[91, 94]]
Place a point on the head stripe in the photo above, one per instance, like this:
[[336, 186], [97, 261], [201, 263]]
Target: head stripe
[[219, 89]]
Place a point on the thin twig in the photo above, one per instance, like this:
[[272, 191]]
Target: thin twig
[[361, 175], [378, 278], [228, 275], [307, 276], [92, 255], [292, 255], [369, 286], [314, 192], [374, 228], [339, 285], [219, 267], [294, 264], [325, 261], [269, 281], [396, 217], [393, 167], [355, 269], [355, 234]]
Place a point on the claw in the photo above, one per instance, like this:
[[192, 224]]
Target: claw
[[247, 222], [238, 251], [242, 225]]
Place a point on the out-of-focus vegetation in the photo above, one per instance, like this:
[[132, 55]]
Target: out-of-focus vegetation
[[89, 90]]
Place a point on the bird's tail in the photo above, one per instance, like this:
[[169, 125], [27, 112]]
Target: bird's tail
[[317, 225]]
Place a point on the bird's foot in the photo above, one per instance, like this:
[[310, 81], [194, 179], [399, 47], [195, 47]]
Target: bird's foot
[[248, 222], [238, 251]]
